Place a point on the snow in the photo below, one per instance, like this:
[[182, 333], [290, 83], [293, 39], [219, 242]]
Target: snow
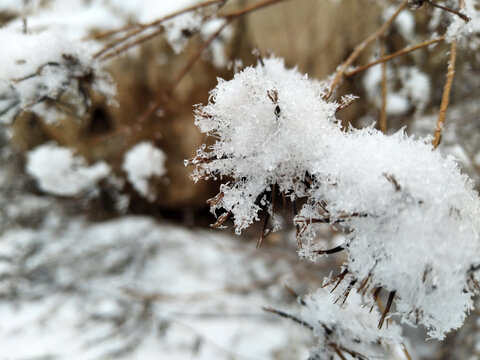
[[394, 196], [176, 28], [283, 105], [142, 163], [77, 18], [91, 277], [411, 204], [58, 171], [414, 91], [37, 68], [347, 325]]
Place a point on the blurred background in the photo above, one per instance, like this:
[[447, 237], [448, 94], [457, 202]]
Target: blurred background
[[127, 266]]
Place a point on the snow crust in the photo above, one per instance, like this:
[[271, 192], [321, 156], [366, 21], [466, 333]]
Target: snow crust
[[58, 171]]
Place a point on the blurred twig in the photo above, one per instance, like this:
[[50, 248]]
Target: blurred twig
[[446, 95], [360, 47]]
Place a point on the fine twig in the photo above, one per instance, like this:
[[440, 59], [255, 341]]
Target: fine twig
[[288, 316], [360, 47], [138, 28], [165, 97], [394, 55], [383, 109], [452, 11], [446, 95]]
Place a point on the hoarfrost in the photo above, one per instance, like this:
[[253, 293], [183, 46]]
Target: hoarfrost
[[179, 28]]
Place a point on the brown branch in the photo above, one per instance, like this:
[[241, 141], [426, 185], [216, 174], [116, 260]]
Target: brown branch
[[360, 47], [165, 97], [393, 55], [455, 12], [102, 56], [383, 110], [391, 296], [446, 95], [288, 316], [142, 27]]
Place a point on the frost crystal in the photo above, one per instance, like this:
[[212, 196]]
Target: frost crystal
[[263, 120], [59, 172], [142, 163]]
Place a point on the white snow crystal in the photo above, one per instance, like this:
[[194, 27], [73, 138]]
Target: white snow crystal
[[264, 120], [141, 163], [58, 171]]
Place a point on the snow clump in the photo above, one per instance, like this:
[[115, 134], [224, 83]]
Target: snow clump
[[409, 216], [39, 71], [141, 163], [263, 120], [59, 172]]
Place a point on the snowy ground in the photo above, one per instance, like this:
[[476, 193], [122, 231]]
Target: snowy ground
[[134, 288], [87, 290]]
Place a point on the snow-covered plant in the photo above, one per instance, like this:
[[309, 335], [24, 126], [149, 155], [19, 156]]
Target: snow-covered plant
[[345, 328], [58, 171], [412, 222], [47, 74], [263, 120], [402, 205]]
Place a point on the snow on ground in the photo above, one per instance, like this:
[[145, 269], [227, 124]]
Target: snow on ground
[[136, 289]]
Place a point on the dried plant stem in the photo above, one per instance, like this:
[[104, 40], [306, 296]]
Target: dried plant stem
[[288, 316], [165, 97], [446, 95], [383, 110], [138, 28], [455, 12], [405, 351], [394, 55], [360, 47]]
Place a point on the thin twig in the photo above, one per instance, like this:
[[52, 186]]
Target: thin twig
[[288, 316], [446, 95], [383, 110], [455, 12], [165, 97], [360, 47], [394, 55], [138, 28]]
